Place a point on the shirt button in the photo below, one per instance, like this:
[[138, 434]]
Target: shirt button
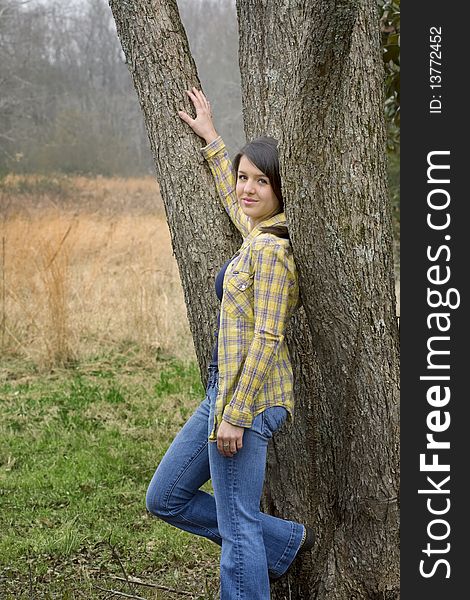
[[243, 287]]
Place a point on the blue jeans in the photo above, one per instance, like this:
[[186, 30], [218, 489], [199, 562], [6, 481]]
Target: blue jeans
[[253, 543]]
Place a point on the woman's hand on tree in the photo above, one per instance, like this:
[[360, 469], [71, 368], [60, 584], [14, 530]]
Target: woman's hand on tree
[[229, 439], [202, 125]]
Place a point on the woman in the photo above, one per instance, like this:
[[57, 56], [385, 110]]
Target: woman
[[249, 393]]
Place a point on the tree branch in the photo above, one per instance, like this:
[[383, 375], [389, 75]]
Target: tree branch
[[153, 585]]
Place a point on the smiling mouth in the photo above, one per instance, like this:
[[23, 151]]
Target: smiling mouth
[[249, 200]]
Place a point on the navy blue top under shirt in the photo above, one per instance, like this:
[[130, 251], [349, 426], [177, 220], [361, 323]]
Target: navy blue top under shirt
[[219, 290]]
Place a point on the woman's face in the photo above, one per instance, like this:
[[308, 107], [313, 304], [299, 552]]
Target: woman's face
[[254, 192]]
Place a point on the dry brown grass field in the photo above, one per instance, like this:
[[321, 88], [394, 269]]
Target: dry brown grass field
[[86, 264]]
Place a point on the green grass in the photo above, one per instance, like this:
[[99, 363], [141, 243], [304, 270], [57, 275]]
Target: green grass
[[77, 450]]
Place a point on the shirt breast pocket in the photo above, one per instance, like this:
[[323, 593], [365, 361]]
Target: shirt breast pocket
[[238, 294]]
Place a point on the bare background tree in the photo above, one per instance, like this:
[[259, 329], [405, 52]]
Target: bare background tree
[[66, 92]]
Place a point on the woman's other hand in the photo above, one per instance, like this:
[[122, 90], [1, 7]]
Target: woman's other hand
[[229, 439], [202, 124]]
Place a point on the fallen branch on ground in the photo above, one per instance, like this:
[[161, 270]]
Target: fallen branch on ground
[[152, 585], [115, 592]]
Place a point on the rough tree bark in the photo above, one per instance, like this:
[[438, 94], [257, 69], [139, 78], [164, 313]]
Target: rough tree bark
[[311, 76], [158, 56]]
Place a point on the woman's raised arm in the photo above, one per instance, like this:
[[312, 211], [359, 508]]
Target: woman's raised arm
[[217, 157], [202, 125]]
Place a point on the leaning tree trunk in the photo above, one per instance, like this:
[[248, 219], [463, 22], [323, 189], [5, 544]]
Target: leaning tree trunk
[[157, 54], [312, 76], [311, 73]]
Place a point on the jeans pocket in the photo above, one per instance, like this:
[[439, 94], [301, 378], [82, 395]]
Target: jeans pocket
[[273, 419], [258, 423]]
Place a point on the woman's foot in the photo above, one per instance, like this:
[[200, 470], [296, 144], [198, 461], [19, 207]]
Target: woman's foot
[[307, 543], [308, 540]]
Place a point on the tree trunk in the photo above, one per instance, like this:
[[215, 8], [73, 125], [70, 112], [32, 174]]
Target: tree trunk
[[159, 60], [312, 77]]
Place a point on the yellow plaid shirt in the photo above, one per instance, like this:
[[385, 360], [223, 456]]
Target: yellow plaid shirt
[[260, 293]]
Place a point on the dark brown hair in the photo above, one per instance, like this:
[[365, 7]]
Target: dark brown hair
[[262, 152]]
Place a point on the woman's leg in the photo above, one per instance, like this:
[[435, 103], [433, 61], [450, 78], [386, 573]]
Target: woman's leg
[[252, 542], [173, 494]]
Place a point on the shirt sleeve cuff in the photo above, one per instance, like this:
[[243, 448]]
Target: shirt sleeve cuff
[[215, 146], [240, 418]]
